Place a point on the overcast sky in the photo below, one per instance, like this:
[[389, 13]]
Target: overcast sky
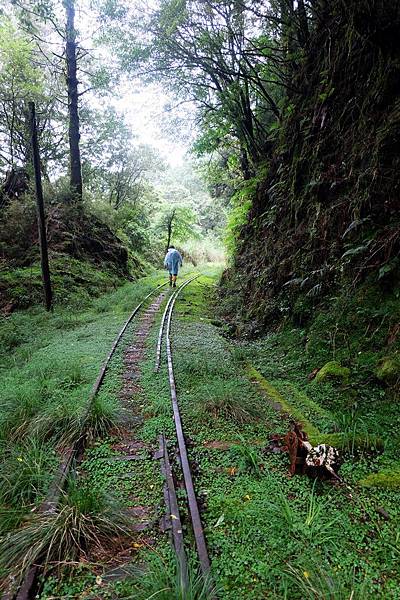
[[154, 120]]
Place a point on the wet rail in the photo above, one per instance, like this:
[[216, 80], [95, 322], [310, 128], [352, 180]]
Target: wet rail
[[187, 473], [73, 455], [168, 307]]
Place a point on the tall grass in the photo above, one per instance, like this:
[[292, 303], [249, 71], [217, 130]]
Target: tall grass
[[317, 579], [26, 472], [106, 412], [49, 362], [162, 583], [84, 517], [230, 399], [315, 526], [248, 458]]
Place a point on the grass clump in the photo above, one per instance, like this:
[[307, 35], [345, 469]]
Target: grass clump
[[61, 420], [313, 580], [11, 336], [313, 525], [247, 458], [167, 582], [26, 472], [19, 404], [84, 517], [105, 413], [192, 367], [229, 399]]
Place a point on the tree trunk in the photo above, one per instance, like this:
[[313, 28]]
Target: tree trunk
[[244, 163], [72, 87], [169, 227], [44, 256], [303, 33]]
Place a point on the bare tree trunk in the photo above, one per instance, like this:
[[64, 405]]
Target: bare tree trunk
[[72, 87], [169, 227], [44, 256]]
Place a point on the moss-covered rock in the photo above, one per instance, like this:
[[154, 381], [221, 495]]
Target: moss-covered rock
[[333, 370], [388, 369]]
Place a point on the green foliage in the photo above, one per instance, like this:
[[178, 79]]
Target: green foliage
[[165, 581], [72, 281], [266, 532], [316, 579], [20, 80], [388, 369], [17, 71], [241, 205], [11, 336], [45, 382], [277, 398], [26, 471], [105, 413], [387, 479], [323, 228], [228, 399], [182, 220], [313, 526], [247, 458]]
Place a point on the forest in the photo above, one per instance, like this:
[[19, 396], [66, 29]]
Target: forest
[[199, 299]]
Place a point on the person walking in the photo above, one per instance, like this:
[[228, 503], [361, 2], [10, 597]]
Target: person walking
[[172, 261]]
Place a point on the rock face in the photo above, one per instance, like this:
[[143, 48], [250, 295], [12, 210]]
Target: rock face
[[327, 211]]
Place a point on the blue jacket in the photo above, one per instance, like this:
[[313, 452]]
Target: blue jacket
[[173, 260]]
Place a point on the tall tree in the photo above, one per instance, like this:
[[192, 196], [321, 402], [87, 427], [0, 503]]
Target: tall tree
[[50, 25], [216, 54], [73, 97]]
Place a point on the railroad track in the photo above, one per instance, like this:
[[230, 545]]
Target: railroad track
[[74, 454]]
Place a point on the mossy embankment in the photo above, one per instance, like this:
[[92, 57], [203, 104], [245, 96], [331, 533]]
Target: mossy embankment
[[315, 272], [324, 218], [86, 257]]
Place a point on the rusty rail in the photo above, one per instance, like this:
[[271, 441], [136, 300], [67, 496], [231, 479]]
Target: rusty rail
[[162, 325], [187, 474], [174, 515]]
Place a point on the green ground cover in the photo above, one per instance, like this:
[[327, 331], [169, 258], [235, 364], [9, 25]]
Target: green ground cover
[[269, 535], [131, 484], [71, 280], [48, 364]]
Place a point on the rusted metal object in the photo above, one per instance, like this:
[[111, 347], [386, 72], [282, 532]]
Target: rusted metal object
[[321, 460], [187, 475], [174, 517]]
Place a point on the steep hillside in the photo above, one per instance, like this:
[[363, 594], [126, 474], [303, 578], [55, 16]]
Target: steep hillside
[[86, 257], [324, 222]]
